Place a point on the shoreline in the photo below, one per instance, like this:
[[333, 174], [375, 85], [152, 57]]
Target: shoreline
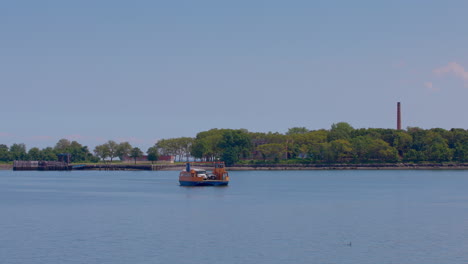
[[280, 167], [399, 166], [6, 166]]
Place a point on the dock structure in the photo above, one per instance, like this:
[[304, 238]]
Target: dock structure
[[23, 165]]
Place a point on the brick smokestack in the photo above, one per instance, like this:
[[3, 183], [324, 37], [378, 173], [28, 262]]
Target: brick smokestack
[[398, 116]]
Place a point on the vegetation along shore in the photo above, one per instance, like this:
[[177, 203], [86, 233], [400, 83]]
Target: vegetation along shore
[[339, 147]]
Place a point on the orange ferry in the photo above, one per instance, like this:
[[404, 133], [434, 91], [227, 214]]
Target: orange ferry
[[200, 177]]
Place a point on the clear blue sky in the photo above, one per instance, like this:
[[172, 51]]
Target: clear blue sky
[[144, 70]]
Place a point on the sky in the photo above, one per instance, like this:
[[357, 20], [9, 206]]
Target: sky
[[142, 70]]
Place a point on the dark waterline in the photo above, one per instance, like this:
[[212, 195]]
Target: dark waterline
[[261, 217]]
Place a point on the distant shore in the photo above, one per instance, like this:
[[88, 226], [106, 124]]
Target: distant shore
[[386, 166], [264, 167]]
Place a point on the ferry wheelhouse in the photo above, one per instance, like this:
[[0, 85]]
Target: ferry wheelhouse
[[201, 177]]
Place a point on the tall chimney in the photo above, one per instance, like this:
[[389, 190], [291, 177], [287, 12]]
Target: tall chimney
[[398, 116]]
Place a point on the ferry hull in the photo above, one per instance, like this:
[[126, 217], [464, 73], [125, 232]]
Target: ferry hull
[[203, 183]]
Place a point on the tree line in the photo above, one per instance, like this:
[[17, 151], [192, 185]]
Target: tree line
[[79, 153], [340, 144], [18, 151], [112, 149]]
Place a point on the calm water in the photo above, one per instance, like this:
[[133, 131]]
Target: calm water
[[261, 217]]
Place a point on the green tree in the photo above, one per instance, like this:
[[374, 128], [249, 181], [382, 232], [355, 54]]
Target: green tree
[[402, 142], [135, 153], [206, 144], [123, 149], [230, 156], [112, 147], [62, 146], [436, 148], [78, 152], [379, 150], [185, 147], [200, 149], [461, 152], [341, 150], [457, 135], [153, 154], [234, 144], [18, 151], [341, 130], [35, 154], [167, 147], [361, 146], [178, 147], [102, 151], [367, 148], [309, 144], [4, 153], [326, 153], [272, 151], [414, 156], [297, 130], [419, 137], [458, 141], [48, 154]]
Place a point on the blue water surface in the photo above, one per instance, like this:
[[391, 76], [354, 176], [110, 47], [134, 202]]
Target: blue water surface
[[261, 217]]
